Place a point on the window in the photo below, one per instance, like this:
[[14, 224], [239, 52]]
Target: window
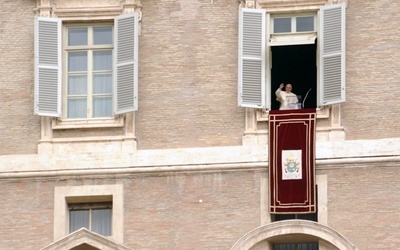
[[290, 49], [302, 245], [98, 208], [96, 217], [87, 71], [305, 245], [296, 246], [88, 88], [293, 24]]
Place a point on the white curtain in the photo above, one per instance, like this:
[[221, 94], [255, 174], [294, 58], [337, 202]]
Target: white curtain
[[77, 107], [78, 219], [102, 83], [102, 106], [77, 61], [77, 85], [102, 35], [101, 221], [102, 60], [77, 36]]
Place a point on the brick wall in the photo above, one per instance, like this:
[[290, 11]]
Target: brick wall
[[373, 52], [160, 212], [163, 211], [188, 75], [19, 128], [363, 205]]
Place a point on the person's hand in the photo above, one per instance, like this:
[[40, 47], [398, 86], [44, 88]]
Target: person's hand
[[281, 86]]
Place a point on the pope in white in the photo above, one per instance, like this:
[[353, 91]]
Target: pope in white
[[287, 99]]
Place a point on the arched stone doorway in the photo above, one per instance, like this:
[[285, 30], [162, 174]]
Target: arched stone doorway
[[292, 230]]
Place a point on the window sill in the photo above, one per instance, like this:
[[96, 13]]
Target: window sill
[[322, 113], [92, 123]]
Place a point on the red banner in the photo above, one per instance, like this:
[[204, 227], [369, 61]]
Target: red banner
[[292, 161]]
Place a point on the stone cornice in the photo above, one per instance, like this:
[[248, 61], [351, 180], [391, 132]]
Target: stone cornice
[[390, 161], [277, 6], [101, 10]]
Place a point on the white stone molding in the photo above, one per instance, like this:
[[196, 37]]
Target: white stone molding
[[61, 215], [86, 10], [85, 237], [306, 229], [336, 2], [274, 6]]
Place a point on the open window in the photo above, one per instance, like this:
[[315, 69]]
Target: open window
[[87, 71], [306, 50]]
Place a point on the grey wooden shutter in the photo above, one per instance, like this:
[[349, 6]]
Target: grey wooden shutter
[[251, 72], [332, 54], [126, 63], [48, 66]]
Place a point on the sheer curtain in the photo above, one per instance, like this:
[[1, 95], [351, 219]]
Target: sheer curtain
[[101, 221], [102, 83], [78, 219], [77, 36], [77, 85]]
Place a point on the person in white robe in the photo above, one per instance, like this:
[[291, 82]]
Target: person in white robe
[[287, 99]]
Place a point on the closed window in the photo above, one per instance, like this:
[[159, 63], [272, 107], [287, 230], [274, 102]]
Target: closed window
[[96, 217], [86, 71], [293, 24], [89, 71]]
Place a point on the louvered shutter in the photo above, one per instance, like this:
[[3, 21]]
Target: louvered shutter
[[252, 56], [48, 66], [126, 63], [332, 54]]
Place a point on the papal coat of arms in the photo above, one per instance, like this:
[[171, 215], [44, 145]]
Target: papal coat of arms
[[291, 165]]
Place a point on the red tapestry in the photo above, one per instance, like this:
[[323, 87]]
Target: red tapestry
[[292, 161]]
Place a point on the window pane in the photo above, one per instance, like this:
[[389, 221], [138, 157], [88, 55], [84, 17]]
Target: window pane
[[78, 219], [282, 25], [279, 217], [102, 84], [77, 107], [296, 246], [77, 61], [102, 106], [305, 23], [102, 35], [101, 221], [102, 60], [77, 84], [77, 36], [311, 217]]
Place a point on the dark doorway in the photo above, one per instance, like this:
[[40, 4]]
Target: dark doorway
[[295, 64]]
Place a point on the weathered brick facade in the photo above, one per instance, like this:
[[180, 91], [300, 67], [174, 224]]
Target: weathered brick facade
[[20, 129], [193, 165]]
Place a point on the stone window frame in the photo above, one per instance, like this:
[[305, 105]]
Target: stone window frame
[[98, 11], [89, 193], [331, 113]]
